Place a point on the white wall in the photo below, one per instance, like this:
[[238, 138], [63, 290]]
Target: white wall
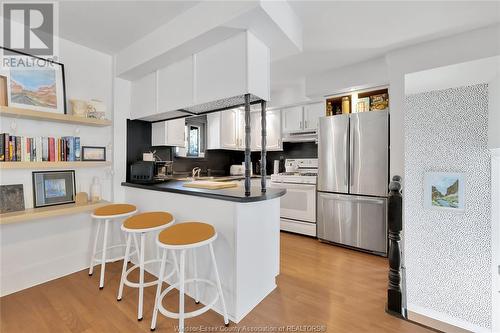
[[292, 93], [363, 75], [122, 90], [494, 112], [37, 251], [477, 44]]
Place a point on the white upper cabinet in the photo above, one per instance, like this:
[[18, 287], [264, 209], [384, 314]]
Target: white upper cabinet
[[143, 96], [292, 119], [213, 130], [234, 67], [229, 125], [221, 70], [168, 133], [312, 113], [273, 130], [175, 85]]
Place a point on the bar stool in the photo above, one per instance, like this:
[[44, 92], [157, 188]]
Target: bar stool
[[182, 237], [106, 214], [142, 224]]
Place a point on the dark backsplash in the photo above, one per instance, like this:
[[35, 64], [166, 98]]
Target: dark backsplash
[[290, 150], [218, 161]]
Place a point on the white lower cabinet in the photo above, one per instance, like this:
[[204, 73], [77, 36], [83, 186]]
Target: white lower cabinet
[[226, 130], [169, 133]]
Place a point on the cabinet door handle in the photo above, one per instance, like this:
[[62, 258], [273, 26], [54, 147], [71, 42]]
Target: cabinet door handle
[[305, 124], [300, 124]]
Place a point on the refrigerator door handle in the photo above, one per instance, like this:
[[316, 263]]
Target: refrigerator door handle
[[351, 152], [347, 157]]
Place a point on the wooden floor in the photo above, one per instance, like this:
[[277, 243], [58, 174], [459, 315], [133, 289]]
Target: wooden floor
[[337, 289]]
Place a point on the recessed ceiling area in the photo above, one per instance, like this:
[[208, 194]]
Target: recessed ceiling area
[[335, 33]]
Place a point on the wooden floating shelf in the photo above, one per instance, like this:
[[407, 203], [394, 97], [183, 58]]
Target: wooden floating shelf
[[46, 212], [52, 165], [12, 112]]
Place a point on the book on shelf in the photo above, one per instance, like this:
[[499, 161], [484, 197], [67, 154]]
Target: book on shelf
[[38, 149]]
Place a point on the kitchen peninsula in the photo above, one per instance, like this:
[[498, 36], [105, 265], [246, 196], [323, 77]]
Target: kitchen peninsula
[[247, 247]]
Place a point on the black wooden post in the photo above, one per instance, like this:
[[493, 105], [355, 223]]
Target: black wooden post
[[395, 221], [247, 145], [263, 152]]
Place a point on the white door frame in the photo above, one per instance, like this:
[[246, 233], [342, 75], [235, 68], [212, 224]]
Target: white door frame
[[495, 237]]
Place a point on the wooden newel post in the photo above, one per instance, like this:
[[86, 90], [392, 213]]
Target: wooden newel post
[[263, 152], [247, 145], [395, 221]]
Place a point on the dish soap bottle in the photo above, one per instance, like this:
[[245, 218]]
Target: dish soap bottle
[[95, 190]]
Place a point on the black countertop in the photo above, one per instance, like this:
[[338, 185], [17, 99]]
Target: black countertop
[[236, 194]]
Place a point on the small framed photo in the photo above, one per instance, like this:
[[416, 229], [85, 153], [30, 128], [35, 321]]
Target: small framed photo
[[444, 190], [53, 188], [91, 153]]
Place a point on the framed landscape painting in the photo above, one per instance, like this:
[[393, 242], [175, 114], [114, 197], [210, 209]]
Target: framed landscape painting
[[40, 86], [444, 190]]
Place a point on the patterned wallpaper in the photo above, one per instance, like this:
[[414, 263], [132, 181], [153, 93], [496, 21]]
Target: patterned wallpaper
[[448, 255]]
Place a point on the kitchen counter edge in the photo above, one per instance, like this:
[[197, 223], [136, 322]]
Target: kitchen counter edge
[[229, 194]]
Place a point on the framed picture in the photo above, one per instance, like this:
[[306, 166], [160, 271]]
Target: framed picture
[[53, 188], [91, 153], [444, 190], [11, 198], [40, 86]]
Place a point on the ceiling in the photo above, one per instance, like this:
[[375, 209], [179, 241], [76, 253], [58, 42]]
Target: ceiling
[[338, 33], [109, 26], [335, 33]]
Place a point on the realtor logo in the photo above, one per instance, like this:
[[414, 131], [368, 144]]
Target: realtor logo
[[29, 28]]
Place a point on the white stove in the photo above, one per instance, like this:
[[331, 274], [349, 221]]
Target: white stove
[[298, 171], [298, 205]]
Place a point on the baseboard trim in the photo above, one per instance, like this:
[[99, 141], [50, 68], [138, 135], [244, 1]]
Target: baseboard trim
[[427, 318]]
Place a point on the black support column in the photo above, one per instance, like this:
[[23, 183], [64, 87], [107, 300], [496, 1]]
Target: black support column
[[264, 144], [247, 145]]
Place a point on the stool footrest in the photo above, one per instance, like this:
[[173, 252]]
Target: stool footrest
[[191, 314], [145, 284], [99, 260]]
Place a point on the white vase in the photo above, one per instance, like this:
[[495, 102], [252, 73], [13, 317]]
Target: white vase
[[95, 190]]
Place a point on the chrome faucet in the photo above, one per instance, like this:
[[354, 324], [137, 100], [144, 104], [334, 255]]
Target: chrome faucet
[[196, 171]]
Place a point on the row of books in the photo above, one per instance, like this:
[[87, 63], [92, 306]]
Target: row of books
[[38, 149]]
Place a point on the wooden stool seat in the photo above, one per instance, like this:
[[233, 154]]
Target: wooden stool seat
[[147, 221], [188, 233], [114, 209]]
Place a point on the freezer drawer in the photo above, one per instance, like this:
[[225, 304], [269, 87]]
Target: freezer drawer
[[353, 220]]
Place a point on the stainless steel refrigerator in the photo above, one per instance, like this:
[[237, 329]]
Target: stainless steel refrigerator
[[353, 177]]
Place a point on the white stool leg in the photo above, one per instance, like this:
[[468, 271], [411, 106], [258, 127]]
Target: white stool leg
[[103, 259], [124, 269], [176, 265], [158, 289], [141, 276], [137, 249], [219, 287], [195, 271], [181, 290], [94, 250]]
